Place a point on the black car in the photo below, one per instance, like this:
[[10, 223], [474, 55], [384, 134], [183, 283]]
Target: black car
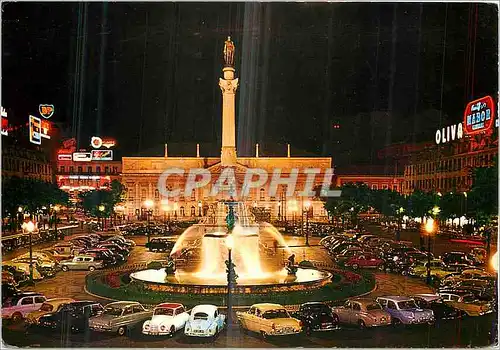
[[442, 311], [115, 248], [72, 316], [457, 258], [9, 291], [317, 317], [160, 244]]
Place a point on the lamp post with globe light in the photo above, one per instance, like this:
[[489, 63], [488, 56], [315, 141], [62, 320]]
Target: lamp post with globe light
[[101, 209], [56, 209], [149, 204], [30, 227], [307, 207], [230, 272]]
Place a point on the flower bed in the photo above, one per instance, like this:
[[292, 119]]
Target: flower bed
[[112, 284]]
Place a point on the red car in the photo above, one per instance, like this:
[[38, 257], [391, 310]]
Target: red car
[[365, 261]]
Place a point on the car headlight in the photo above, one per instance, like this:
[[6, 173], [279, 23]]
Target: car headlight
[[163, 328], [146, 326], [410, 315]]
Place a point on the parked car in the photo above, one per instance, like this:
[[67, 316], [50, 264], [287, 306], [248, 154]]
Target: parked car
[[365, 261], [347, 253], [441, 310], [316, 317], [478, 254], [457, 258], [471, 302], [19, 305], [82, 262], [363, 312], [403, 310], [37, 276], [49, 306], [73, 316], [19, 275], [9, 291], [160, 244], [102, 254], [438, 269], [115, 248], [167, 319], [204, 321], [120, 316], [269, 320]]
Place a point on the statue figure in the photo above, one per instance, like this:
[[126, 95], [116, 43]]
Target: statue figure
[[229, 52], [291, 267], [170, 267]]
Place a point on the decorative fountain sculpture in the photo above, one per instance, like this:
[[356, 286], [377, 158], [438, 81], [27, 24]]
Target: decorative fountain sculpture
[[259, 268]]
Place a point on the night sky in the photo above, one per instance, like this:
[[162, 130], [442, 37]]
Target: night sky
[[148, 73]]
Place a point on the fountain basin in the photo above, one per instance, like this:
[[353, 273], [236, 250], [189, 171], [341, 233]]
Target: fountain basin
[[187, 282]]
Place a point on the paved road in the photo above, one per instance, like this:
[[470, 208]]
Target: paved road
[[467, 332]]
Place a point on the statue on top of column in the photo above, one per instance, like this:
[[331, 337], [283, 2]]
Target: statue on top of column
[[229, 52]]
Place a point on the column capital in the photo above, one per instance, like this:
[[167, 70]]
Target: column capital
[[228, 86]]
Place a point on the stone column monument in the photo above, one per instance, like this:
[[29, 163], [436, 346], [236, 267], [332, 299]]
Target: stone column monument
[[228, 85]]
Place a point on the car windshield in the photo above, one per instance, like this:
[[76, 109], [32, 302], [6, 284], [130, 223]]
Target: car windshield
[[280, 313], [407, 304], [200, 316], [163, 311], [373, 307], [113, 311], [46, 307]]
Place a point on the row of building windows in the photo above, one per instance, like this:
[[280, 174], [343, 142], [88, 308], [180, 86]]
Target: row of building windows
[[90, 170], [448, 165], [442, 184], [26, 166]]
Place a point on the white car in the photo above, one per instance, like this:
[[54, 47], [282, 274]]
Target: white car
[[167, 319], [204, 321], [17, 307]]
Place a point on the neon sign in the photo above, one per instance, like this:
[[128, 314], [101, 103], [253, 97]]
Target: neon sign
[[479, 115], [450, 133], [5, 122], [97, 142], [102, 154], [65, 157], [82, 157], [46, 111], [34, 129]]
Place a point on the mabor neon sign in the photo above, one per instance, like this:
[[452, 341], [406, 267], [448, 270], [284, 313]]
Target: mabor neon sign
[[479, 115]]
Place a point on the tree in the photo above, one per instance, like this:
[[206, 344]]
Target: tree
[[356, 198], [420, 203], [451, 206], [483, 197]]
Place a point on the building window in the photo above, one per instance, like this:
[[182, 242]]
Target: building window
[[374, 187], [89, 169], [183, 213], [80, 170], [157, 194], [385, 187], [193, 211], [98, 169], [62, 169], [193, 195], [106, 169], [395, 188], [115, 169], [71, 170], [262, 194]]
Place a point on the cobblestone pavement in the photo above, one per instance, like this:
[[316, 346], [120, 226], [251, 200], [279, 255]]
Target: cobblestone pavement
[[468, 332]]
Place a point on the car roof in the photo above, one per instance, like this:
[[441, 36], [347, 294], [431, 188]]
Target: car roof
[[313, 303], [123, 304], [267, 306], [204, 308], [59, 300], [427, 296], [395, 298], [29, 293], [83, 302], [363, 301], [169, 305]]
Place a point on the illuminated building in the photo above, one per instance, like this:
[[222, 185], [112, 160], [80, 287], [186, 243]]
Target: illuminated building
[[140, 174]]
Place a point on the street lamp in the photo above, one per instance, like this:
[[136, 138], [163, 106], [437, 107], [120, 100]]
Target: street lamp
[[56, 209], [430, 229], [199, 208], [279, 210], [148, 203], [229, 244], [307, 206], [30, 227], [101, 209]]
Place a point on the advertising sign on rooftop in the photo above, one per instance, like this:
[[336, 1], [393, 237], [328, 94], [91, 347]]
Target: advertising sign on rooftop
[[34, 130], [479, 115], [102, 154], [5, 122], [46, 111]]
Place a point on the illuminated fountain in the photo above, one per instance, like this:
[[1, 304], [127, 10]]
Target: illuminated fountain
[[259, 267]]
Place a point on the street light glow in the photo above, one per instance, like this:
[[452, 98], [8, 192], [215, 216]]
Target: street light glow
[[307, 205], [101, 207], [29, 226], [148, 203], [429, 226], [494, 261], [436, 210]]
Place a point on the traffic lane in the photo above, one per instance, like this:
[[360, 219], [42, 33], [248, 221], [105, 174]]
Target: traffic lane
[[472, 331]]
